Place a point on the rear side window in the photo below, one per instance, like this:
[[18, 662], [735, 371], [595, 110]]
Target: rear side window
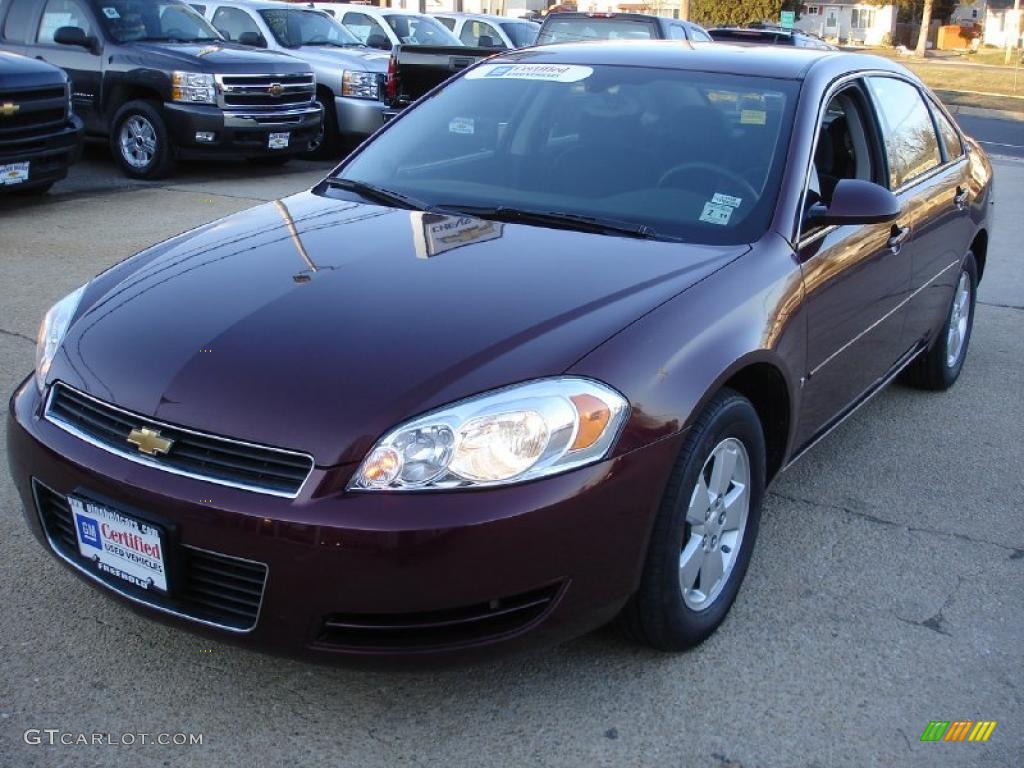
[[910, 142], [950, 138], [16, 23], [363, 27], [233, 23], [447, 21], [62, 13], [479, 33]]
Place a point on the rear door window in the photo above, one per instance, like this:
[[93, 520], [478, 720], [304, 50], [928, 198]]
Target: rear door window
[[362, 26], [950, 138], [233, 23], [910, 142]]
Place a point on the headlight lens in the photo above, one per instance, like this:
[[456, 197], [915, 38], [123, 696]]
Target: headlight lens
[[510, 435], [51, 333], [362, 85], [193, 87]]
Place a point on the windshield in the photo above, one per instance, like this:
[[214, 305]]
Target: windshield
[[587, 28], [420, 30], [689, 155], [521, 33], [128, 20], [296, 28]]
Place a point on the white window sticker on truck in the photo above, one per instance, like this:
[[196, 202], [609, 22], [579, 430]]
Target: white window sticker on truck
[[555, 73], [111, 13]]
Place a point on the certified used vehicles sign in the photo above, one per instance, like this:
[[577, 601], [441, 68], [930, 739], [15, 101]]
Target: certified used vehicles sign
[[119, 545]]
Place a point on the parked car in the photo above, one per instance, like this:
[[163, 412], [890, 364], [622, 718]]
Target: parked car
[[769, 36], [487, 31], [349, 75], [576, 27], [385, 28], [40, 135], [525, 362], [155, 79]]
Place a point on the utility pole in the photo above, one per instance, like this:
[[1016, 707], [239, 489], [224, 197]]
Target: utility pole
[[684, 9], [1011, 39]]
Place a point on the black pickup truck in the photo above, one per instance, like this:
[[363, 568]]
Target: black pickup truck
[[416, 69], [39, 134], [160, 83]]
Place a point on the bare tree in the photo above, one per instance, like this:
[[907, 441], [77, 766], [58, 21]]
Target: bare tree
[[926, 20]]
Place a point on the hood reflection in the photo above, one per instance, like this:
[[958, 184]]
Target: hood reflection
[[437, 233]]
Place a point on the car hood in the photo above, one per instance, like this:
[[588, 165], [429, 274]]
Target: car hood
[[317, 324], [217, 57], [366, 59]]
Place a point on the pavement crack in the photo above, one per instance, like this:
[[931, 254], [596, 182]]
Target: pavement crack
[[936, 623], [16, 335], [1002, 306]]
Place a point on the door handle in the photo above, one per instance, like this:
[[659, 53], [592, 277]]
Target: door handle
[[960, 198], [897, 238]]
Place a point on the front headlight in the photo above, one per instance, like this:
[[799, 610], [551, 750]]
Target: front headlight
[[506, 436], [193, 87], [51, 333], [362, 85]]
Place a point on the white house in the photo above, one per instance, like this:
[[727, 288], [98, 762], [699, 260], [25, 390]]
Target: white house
[[849, 22], [1001, 25]]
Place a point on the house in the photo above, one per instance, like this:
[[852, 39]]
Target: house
[[1001, 25], [849, 22]]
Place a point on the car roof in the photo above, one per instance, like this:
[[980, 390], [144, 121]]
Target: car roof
[[479, 16], [784, 62], [603, 15], [370, 10], [258, 5]]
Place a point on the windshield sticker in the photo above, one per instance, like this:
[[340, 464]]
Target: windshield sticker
[[720, 199], [753, 117], [461, 125], [111, 13], [716, 214], [555, 73]]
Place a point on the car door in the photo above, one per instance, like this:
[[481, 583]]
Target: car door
[[83, 66], [856, 277], [927, 168]]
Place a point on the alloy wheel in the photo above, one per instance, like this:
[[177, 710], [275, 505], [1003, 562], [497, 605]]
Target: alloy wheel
[[956, 332], [138, 142]]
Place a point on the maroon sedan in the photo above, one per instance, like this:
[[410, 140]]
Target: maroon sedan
[[523, 364]]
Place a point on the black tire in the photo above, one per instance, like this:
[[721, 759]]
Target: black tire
[[658, 615], [932, 369], [271, 160], [162, 157], [327, 145]]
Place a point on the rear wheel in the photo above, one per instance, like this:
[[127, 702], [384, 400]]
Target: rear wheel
[[939, 367], [705, 530], [140, 141]]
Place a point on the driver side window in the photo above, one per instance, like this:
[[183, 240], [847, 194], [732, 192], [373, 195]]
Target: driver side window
[[62, 13], [233, 23], [842, 149]]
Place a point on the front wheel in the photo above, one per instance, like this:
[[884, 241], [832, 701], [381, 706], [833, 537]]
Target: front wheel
[[705, 530], [140, 141], [939, 367]]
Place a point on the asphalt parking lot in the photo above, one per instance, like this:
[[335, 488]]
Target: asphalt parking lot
[[886, 589]]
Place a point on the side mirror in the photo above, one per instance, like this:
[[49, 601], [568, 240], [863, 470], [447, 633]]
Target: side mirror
[[73, 36], [855, 201], [379, 41], [252, 39]]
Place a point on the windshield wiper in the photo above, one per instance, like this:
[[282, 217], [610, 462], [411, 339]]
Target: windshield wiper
[[378, 194], [558, 219]]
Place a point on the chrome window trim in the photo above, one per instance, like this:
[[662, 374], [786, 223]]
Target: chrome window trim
[[139, 458], [138, 600]]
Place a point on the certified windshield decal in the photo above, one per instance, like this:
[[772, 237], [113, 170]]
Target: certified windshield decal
[[555, 73], [111, 13]]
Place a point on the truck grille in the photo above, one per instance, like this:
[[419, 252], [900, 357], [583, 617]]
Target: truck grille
[[206, 457], [27, 113], [266, 93], [207, 586]]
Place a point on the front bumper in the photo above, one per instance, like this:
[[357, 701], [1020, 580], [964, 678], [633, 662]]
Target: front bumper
[[49, 154], [358, 118], [239, 134], [439, 576]]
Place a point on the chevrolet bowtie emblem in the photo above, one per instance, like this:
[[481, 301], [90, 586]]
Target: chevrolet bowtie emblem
[[148, 441], [276, 89], [7, 109]]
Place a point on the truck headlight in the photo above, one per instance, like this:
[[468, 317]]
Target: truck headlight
[[509, 435], [361, 85], [51, 333], [193, 87]]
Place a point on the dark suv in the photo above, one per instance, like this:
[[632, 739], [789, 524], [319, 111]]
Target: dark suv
[[574, 27], [39, 135], [161, 83]]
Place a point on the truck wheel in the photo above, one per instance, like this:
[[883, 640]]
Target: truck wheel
[[140, 142], [327, 143]]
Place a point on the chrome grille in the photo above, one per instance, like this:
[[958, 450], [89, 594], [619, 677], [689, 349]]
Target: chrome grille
[[265, 94], [206, 457], [40, 110]]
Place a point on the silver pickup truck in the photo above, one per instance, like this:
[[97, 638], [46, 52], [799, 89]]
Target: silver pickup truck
[[349, 75]]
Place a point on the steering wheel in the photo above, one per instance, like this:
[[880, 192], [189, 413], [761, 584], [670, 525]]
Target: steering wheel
[[717, 170]]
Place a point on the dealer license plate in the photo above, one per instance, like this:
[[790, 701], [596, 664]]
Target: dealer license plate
[[13, 173], [120, 544], [278, 140]]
